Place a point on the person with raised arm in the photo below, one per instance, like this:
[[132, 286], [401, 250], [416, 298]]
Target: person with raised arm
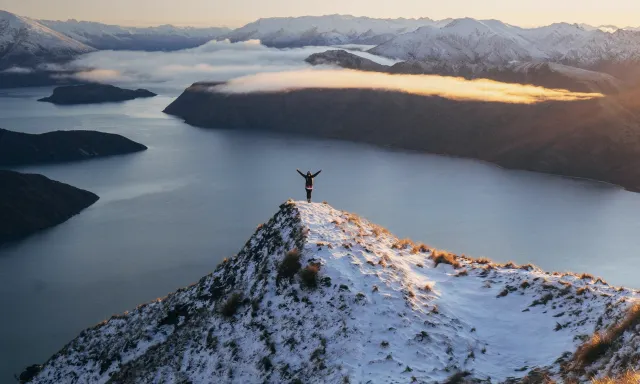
[[308, 182]]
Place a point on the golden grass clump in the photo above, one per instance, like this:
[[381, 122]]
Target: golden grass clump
[[443, 257], [402, 244], [630, 377], [378, 230], [600, 342], [586, 276]]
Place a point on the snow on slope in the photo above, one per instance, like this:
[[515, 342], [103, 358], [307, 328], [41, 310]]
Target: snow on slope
[[325, 30], [493, 41], [165, 37], [24, 41], [461, 40], [383, 312]]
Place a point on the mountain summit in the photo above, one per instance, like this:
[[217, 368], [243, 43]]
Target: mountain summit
[[318, 295], [25, 42]]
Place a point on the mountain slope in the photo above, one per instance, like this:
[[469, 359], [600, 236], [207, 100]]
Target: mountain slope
[[324, 30], [491, 41], [25, 42], [114, 37], [365, 307]]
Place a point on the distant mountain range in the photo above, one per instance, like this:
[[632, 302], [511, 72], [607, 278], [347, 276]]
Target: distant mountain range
[[454, 43], [113, 37], [492, 41], [287, 32], [26, 42]]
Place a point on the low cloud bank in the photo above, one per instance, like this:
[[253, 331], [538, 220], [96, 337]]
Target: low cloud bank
[[214, 61], [427, 85]]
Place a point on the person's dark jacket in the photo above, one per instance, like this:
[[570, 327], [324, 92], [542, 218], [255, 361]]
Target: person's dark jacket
[[308, 184]]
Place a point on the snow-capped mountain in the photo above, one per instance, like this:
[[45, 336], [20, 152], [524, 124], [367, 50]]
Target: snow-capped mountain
[[161, 38], [318, 295], [491, 41], [26, 42], [325, 30]]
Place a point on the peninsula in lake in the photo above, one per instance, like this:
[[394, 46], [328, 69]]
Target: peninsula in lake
[[18, 148], [597, 138], [30, 203]]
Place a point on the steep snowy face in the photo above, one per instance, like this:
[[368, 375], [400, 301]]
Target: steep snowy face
[[325, 30], [318, 295], [164, 37], [24, 41], [491, 41], [462, 40]]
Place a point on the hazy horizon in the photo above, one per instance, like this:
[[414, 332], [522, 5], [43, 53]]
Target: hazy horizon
[[142, 13]]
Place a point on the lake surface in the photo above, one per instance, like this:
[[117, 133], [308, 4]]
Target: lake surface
[[167, 216]]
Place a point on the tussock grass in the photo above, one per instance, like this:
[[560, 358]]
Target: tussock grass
[[309, 276], [419, 248], [290, 264], [483, 260], [441, 257], [230, 307], [458, 378], [582, 290], [528, 267], [630, 377], [378, 230], [403, 244], [601, 342], [586, 276]]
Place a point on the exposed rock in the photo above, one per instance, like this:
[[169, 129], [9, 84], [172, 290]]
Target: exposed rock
[[30, 203], [94, 93], [18, 148]]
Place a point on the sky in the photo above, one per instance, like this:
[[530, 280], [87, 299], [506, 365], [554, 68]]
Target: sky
[[235, 13]]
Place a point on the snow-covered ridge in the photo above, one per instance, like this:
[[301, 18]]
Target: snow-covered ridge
[[365, 307], [493, 41], [325, 30], [164, 37], [24, 41]]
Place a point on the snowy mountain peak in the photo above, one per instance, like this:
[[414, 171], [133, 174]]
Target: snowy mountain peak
[[319, 295], [473, 41], [325, 30], [26, 42], [163, 37]]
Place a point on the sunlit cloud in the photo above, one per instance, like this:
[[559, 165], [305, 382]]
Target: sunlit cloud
[[427, 85]]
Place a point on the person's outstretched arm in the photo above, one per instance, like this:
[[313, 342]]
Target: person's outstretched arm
[[301, 174], [316, 174]]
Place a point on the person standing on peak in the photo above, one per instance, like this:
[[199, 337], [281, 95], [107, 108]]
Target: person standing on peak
[[308, 182]]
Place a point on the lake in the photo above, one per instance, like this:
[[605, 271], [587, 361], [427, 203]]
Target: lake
[[169, 215]]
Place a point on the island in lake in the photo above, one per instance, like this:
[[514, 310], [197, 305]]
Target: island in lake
[[94, 93], [30, 203], [18, 148]]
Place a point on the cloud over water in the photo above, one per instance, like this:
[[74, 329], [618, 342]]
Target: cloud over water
[[427, 85]]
